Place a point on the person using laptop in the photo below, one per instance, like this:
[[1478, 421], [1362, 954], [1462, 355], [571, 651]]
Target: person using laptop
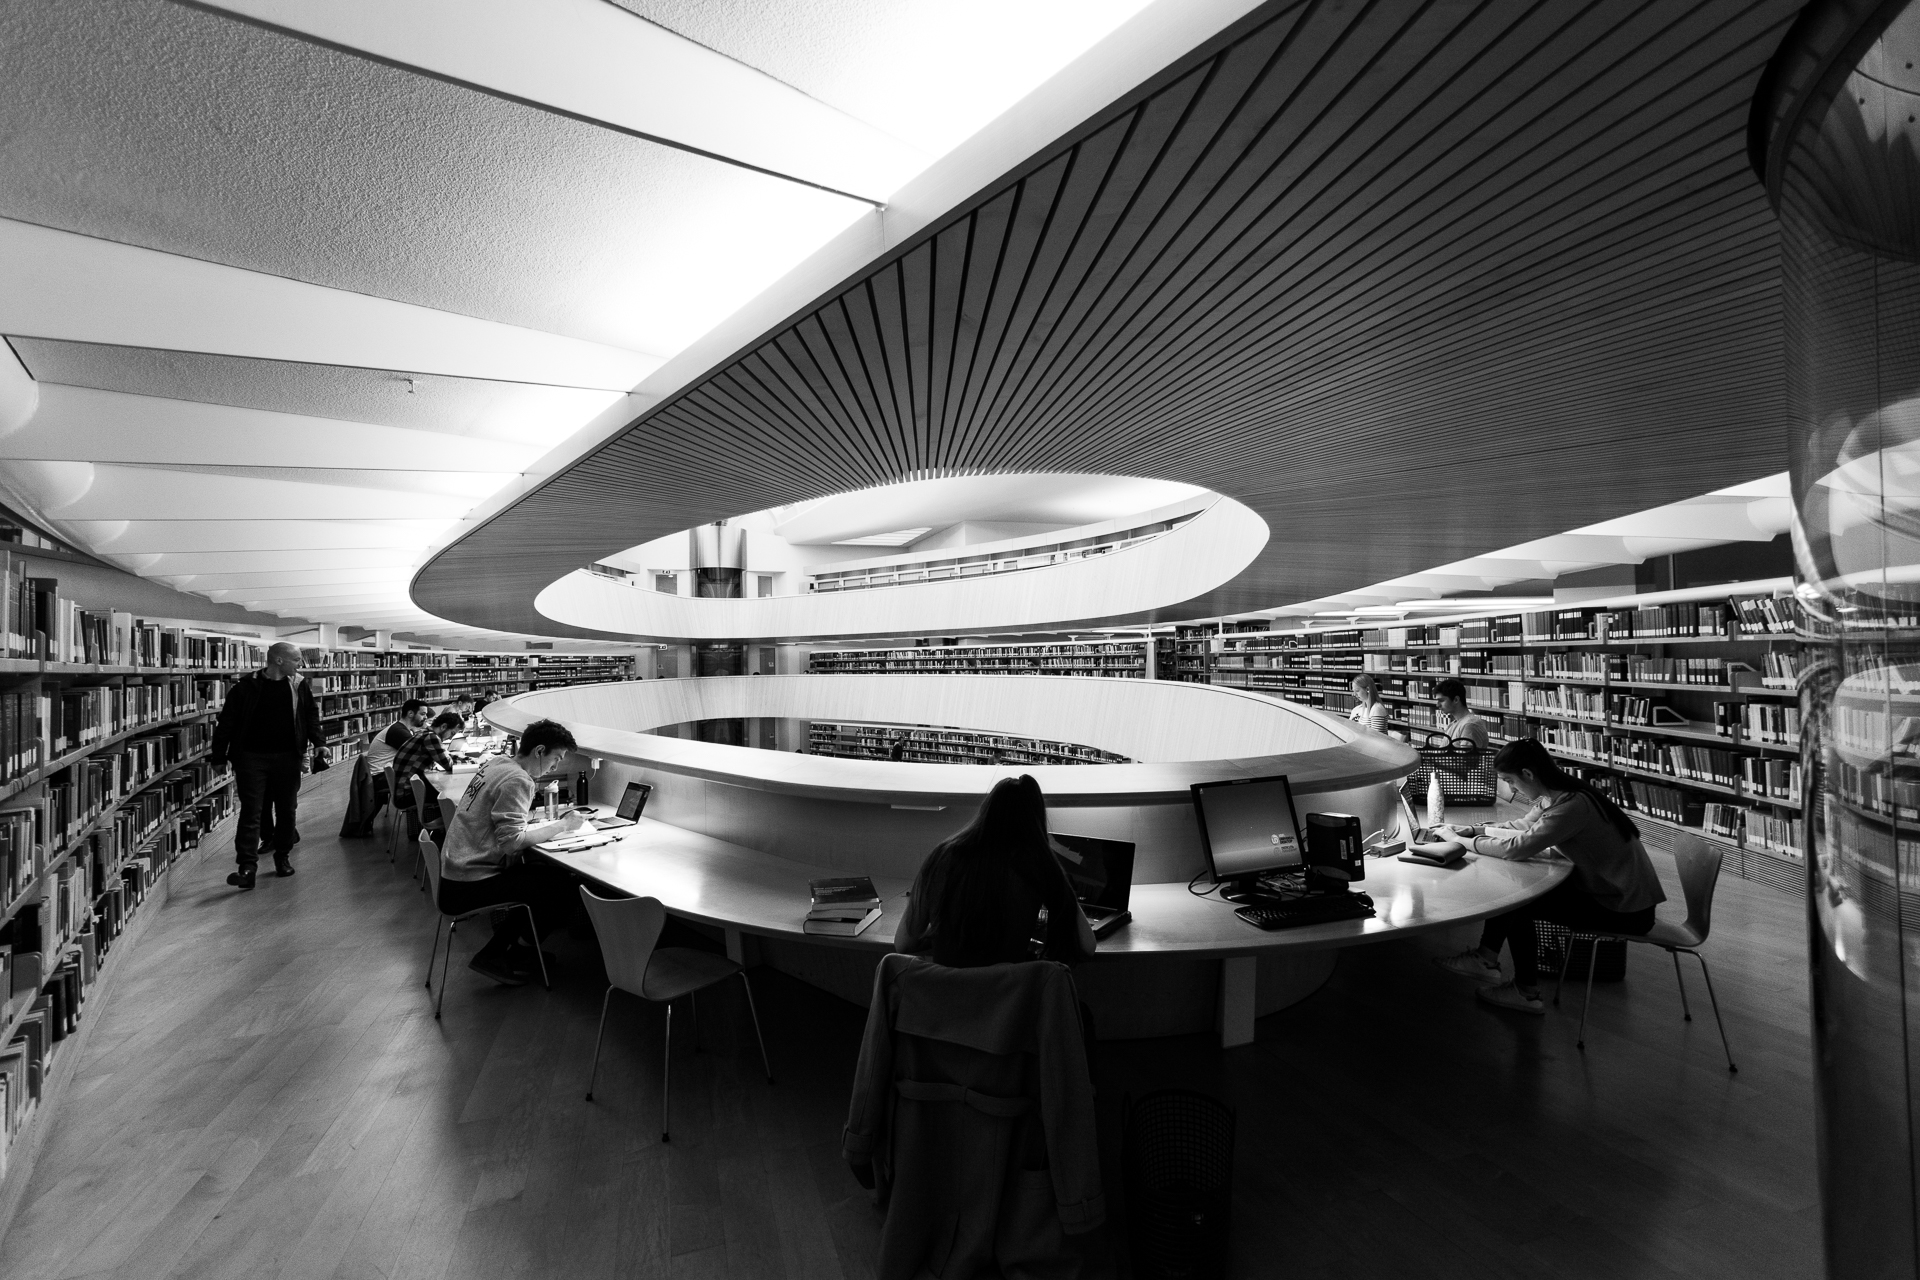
[[977, 898], [486, 846], [1613, 889]]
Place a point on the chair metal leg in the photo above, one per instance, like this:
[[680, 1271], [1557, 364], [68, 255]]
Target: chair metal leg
[[534, 929], [434, 954], [1715, 1001], [1686, 1013], [595, 1073], [694, 996], [447, 959], [754, 1013], [1593, 954], [666, 1069], [1566, 958]]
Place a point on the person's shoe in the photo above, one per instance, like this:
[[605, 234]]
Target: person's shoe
[[241, 879], [1509, 996], [1471, 964], [282, 865], [497, 968], [522, 961]]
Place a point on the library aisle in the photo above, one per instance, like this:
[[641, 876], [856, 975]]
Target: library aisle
[[266, 1094]]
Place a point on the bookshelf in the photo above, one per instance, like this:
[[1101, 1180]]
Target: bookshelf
[[360, 691], [1125, 659], [1686, 712], [935, 744]]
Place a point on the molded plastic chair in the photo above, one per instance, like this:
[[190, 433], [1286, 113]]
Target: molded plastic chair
[[628, 929], [428, 825], [1699, 865], [430, 855]]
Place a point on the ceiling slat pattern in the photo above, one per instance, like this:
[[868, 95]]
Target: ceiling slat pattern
[[1413, 281]]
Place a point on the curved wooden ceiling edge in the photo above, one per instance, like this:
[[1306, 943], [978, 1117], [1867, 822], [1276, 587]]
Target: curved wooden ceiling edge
[[1412, 285]]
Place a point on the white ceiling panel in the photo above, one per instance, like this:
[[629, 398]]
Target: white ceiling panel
[[56, 284], [508, 412], [83, 424], [590, 58], [140, 493], [143, 537], [179, 568]]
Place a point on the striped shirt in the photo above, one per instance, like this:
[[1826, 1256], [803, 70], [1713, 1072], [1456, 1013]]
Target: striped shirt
[[1370, 715]]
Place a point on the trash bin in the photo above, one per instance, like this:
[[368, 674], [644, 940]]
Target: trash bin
[[1554, 939], [1178, 1157]]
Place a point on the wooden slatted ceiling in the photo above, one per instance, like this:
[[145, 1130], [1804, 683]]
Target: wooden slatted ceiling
[[1414, 281]]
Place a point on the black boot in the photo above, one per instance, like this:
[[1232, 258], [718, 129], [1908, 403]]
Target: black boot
[[243, 878], [282, 864]]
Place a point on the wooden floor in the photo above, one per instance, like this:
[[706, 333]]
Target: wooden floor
[[266, 1094]]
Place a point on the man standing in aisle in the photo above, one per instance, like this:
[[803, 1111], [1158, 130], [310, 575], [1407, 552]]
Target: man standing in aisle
[[265, 728]]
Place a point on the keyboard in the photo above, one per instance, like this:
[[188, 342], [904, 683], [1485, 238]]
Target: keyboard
[[1319, 908]]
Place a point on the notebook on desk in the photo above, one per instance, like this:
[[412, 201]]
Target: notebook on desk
[[1101, 873]]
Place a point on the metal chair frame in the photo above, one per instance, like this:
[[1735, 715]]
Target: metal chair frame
[[430, 854], [1699, 874], [652, 908]]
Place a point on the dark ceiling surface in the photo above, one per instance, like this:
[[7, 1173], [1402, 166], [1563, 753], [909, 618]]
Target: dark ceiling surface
[[1415, 281]]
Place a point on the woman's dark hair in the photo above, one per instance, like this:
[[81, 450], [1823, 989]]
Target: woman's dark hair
[[1527, 754], [1450, 689], [977, 919]]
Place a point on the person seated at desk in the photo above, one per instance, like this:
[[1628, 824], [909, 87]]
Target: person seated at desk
[[463, 707], [485, 861], [383, 748], [1456, 718], [1371, 713], [423, 752], [1613, 888], [977, 898]]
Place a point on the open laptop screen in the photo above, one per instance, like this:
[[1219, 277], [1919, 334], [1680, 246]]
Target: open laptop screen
[[1100, 871], [633, 801]]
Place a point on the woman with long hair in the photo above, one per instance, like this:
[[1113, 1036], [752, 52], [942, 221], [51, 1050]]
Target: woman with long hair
[[978, 896], [1369, 712], [1613, 887]]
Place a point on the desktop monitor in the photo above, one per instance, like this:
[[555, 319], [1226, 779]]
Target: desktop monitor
[[1247, 826]]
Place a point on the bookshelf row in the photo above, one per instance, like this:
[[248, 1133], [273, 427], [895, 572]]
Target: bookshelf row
[[1125, 659], [932, 744]]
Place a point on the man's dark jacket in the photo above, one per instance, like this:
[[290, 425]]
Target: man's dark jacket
[[236, 717]]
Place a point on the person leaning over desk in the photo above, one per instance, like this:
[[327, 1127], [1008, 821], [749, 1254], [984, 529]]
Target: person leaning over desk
[[1613, 888], [485, 852], [977, 898]]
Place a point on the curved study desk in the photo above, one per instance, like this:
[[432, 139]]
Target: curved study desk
[[733, 834]]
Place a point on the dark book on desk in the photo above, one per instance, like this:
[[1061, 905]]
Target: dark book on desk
[[841, 924], [843, 896]]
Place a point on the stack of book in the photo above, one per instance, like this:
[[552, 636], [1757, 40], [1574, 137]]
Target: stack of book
[[843, 906]]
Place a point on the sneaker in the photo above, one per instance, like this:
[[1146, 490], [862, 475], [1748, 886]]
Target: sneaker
[[1509, 996], [500, 970], [241, 879], [1471, 964]]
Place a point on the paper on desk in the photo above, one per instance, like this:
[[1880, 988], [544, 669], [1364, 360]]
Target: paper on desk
[[575, 843]]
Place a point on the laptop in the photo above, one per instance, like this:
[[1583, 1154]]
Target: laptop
[[1101, 873], [632, 801]]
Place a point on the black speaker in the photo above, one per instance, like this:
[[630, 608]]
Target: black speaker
[[1334, 848]]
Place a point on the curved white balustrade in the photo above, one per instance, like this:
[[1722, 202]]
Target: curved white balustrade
[[882, 817], [1206, 552]]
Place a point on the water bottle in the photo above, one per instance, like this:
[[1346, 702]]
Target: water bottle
[[1436, 803]]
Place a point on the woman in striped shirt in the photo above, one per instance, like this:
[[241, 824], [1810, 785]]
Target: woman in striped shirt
[[1371, 713]]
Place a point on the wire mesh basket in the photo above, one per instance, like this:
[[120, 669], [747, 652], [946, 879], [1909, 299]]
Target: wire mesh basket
[[1179, 1179], [1552, 942], [1465, 772]]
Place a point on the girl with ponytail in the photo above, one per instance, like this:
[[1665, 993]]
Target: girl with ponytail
[[1613, 887]]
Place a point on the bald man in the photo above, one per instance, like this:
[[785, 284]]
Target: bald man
[[265, 727]]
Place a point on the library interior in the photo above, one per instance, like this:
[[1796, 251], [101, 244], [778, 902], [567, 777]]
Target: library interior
[[1213, 628]]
